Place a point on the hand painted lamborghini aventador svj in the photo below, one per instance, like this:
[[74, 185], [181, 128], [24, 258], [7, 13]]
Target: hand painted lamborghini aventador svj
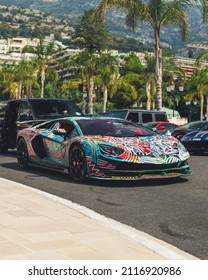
[[102, 148]]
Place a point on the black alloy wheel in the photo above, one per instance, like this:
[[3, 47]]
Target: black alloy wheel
[[77, 163], [22, 154]]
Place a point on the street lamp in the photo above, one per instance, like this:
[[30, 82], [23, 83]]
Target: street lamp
[[189, 105], [171, 89]]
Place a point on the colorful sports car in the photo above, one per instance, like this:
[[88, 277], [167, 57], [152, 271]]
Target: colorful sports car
[[103, 148]]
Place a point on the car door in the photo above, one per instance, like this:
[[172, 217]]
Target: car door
[[55, 145]]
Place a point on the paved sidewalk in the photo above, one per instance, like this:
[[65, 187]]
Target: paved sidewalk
[[35, 225]]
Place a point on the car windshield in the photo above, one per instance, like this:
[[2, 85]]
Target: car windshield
[[54, 108], [117, 114], [192, 125], [150, 125], [112, 127]]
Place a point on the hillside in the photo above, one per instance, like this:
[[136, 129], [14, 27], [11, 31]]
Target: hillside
[[70, 10]]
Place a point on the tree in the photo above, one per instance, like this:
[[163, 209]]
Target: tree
[[157, 13], [7, 81], [203, 56], [132, 73], [106, 72], [201, 80], [150, 80], [92, 37], [43, 54], [24, 74]]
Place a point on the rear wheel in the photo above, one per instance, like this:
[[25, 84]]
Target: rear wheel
[[77, 163], [22, 154]]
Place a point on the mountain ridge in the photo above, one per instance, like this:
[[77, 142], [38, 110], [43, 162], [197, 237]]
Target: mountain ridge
[[71, 10]]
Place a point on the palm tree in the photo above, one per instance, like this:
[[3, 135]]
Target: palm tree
[[92, 38], [7, 80], [203, 57], [157, 13], [86, 64], [150, 79], [107, 71], [24, 74], [201, 80], [43, 54]]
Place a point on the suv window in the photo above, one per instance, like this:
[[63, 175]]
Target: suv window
[[133, 117], [146, 117], [160, 117], [2, 110], [24, 110], [54, 108]]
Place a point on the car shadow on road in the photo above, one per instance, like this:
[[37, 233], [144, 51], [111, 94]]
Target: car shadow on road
[[35, 172]]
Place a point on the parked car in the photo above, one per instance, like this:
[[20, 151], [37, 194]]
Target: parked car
[[138, 116], [161, 127], [17, 114], [182, 130], [196, 141], [102, 148]]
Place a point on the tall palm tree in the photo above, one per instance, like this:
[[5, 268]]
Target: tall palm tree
[[107, 71], [203, 57], [86, 64], [201, 78], [150, 79], [43, 54], [157, 13]]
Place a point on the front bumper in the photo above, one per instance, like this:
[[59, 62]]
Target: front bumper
[[116, 170]]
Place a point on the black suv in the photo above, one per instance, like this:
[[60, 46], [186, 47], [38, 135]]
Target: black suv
[[20, 113]]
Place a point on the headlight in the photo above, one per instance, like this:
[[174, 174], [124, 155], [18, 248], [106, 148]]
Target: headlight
[[183, 153], [181, 147], [110, 150]]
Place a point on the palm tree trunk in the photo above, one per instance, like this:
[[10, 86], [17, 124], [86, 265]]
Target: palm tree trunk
[[206, 107], [105, 98], [148, 92], [158, 70], [90, 92], [42, 81], [20, 89], [201, 107]]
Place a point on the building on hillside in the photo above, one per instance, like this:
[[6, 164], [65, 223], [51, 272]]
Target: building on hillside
[[19, 43], [4, 48]]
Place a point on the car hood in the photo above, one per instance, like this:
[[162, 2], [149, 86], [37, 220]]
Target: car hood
[[195, 135], [160, 148]]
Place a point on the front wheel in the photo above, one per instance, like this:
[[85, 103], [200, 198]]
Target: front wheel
[[22, 154], [77, 163]]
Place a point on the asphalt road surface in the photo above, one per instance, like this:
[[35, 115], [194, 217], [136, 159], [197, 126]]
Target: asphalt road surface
[[174, 210]]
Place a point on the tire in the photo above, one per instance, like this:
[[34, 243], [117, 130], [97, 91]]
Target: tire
[[22, 153], [77, 163], [3, 149]]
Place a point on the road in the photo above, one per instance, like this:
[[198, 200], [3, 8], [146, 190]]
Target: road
[[175, 211]]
